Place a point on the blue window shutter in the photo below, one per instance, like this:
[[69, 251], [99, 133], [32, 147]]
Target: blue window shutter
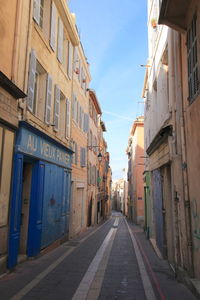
[[53, 27], [67, 118], [60, 41], [31, 81], [36, 11], [48, 99], [56, 108]]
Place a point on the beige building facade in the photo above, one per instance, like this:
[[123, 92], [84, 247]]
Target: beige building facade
[[11, 93], [184, 18], [135, 152]]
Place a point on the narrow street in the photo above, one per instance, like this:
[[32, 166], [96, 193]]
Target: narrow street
[[112, 261]]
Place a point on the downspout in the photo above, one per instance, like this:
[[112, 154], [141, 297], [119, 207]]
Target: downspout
[[16, 42], [185, 172], [172, 139]]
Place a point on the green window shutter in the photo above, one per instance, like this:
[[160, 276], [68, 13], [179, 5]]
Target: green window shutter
[[56, 108], [31, 80], [67, 118], [60, 41], [48, 99], [70, 55], [36, 11], [53, 27]]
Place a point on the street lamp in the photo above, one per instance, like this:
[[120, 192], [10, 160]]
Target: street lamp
[[99, 157]]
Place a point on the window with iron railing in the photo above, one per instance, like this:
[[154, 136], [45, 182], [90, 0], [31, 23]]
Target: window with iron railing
[[192, 60]]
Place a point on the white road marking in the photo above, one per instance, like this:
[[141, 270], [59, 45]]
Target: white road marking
[[148, 289], [19, 295], [85, 284]]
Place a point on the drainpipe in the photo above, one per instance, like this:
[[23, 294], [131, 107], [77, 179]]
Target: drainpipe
[[16, 42], [184, 164], [172, 139]]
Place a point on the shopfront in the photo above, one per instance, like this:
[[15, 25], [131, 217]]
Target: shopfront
[[40, 201]]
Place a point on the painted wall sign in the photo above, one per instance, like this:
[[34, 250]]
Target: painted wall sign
[[37, 146]]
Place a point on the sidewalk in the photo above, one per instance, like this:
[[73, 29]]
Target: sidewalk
[[163, 279]]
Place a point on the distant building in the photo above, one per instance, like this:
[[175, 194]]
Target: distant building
[[135, 152]]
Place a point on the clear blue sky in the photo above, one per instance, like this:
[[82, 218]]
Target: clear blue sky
[[114, 37]]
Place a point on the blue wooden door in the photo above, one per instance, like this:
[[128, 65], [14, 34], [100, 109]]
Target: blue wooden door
[[15, 211], [35, 212], [158, 209]]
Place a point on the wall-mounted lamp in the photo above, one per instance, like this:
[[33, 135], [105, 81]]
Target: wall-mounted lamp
[[99, 157]]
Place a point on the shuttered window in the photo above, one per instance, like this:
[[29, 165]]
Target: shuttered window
[[67, 118], [77, 112], [31, 81], [36, 11], [86, 123], [53, 27], [83, 157], [70, 55], [192, 57], [48, 99], [56, 108], [80, 116], [60, 41], [76, 154]]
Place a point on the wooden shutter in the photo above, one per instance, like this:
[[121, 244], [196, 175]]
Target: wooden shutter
[[31, 81], [75, 59], [79, 75], [60, 41], [67, 118], [76, 153], [53, 27], [56, 108], [36, 11], [83, 157], [80, 116], [77, 112], [48, 99], [86, 123], [70, 53]]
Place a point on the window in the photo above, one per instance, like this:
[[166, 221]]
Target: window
[[67, 118], [56, 108], [192, 56], [60, 41], [39, 89], [62, 116], [53, 27], [83, 157], [42, 15], [75, 155]]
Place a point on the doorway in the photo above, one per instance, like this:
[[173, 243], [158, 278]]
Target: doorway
[[25, 206]]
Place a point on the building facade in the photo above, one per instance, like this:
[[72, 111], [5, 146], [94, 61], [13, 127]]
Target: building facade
[[135, 152], [93, 162], [41, 190], [11, 95], [169, 90], [184, 19]]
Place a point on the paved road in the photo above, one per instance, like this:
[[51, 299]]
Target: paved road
[[113, 261]]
